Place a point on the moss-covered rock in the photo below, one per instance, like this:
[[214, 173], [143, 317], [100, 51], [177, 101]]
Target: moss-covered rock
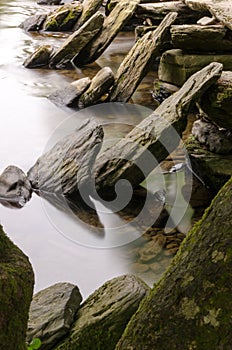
[[191, 306], [102, 318], [16, 287], [39, 58]]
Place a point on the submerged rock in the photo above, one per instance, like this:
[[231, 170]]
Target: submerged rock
[[76, 42], [70, 95], [67, 166], [63, 18], [99, 86], [39, 58], [215, 139], [15, 188], [103, 317], [52, 313]]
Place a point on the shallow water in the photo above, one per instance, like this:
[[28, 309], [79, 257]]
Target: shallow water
[[59, 247]]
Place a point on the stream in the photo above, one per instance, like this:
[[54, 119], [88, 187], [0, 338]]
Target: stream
[[60, 247]]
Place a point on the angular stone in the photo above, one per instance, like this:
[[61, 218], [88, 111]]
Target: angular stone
[[215, 140], [63, 18], [137, 63], [220, 9], [16, 288], [66, 167], [206, 21], [158, 10], [111, 27], [70, 95], [217, 101], [192, 38], [138, 153], [162, 90], [90, 7], [176, 67], [39, 58], [105, 314], [76, 42], [15, 188], [33, 23], [213, 169], [49, 2], [100, 85], [52, 313]]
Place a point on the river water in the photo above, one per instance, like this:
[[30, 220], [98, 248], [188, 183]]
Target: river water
[[59, 248]]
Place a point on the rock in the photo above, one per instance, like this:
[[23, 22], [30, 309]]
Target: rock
[[39, 58], [176, 67], [216, 140], [220, 9], [206, 21], [126, 159], [213, 169], [70, 95], [76, 42], [66, 167], [154, 247], [16, 287], [90, 7], [33, 23], [15, 188], [216, 102], [63, 18], [99, 86], [52, 313], [111, 27], [162, 90], [193, 299], [158, 10], [192, 38], [137, 63], [49, 2], [104, 315]]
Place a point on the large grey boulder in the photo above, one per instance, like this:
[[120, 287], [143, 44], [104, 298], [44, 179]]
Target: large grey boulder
[[67, 166], [217, 101], [70, 94], [52, 313], [39, 58], [99, 86], [15, 188], [193, 38], [76, 42], [63, 18], [176, 66], [116, 20], [137, 62], [104, 315]]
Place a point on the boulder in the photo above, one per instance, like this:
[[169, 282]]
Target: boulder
[[158, 10], [216, 140], [69, 95], [90, 7], [139, 152], [52, 313], [76, 42], [206, 21], [162, 90], [63, 18], [39, 58], [176, 66], [33, 23], [16, 287], [191, 306], [104, 315], [220, 9], [111, 27], [192, 38], [15, 188], [138, 61], [67, 166], [216, 102], [99, 86]]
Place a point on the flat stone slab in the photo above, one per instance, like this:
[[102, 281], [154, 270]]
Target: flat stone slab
[[52, 313], [104, 315], [176, 67]]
